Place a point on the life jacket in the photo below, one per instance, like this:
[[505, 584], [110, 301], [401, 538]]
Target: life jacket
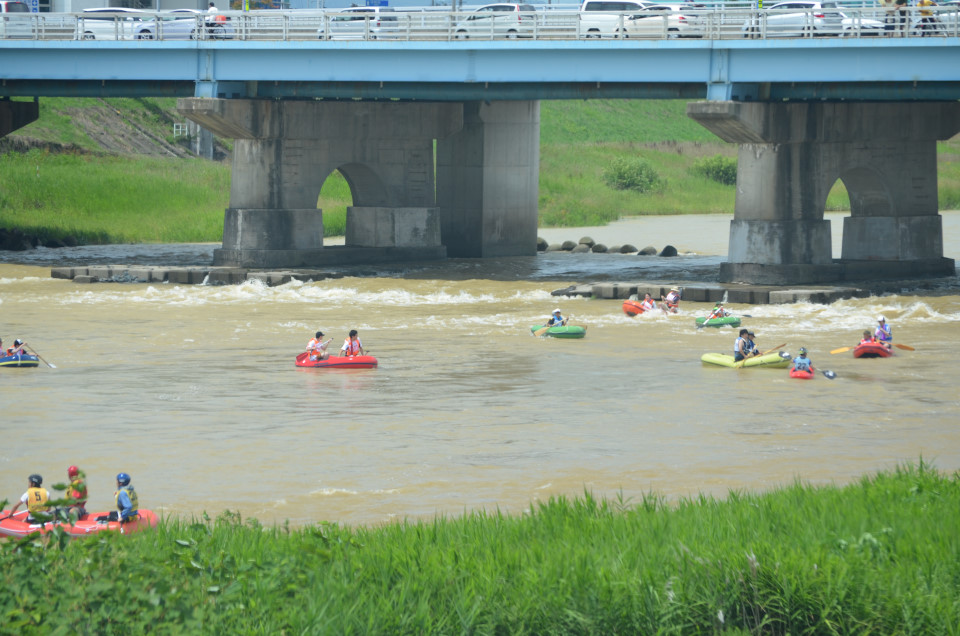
[[37, 500], [314, 348], [736, 345], [648, 304], [864, 341], [801, 364], [78, 492], [351, 348], [554, 321], [134, 502], [883, 334]]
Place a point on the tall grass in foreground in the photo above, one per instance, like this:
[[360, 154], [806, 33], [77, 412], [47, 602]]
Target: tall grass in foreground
[[880, 556]]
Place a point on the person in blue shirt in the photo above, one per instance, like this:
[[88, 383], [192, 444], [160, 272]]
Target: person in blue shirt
[[884, 332], [802, 362]]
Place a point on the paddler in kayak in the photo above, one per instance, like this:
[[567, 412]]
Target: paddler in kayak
[[718, 312], [318, 348], [802, 362], [352, 345], [744, 347], [77, 492], [671, 302], [868, 338], [648, 303], [883, 333], [556, 319]]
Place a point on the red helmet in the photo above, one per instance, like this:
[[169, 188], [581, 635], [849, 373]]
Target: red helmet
[[73, 471]]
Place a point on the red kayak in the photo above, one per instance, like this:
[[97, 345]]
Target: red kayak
[[803, 375], [872, 350], [346, 362], [90, 523], [632, 307]]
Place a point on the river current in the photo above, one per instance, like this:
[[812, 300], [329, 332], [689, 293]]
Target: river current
[[193, 391]]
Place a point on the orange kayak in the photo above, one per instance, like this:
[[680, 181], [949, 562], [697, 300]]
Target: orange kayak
[[632, 307], [346, 362]]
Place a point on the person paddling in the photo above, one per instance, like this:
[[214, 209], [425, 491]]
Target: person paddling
[[352, 345], [868, 338], [556, 319], [77, 493], [128, 504], [317, 348], [671, 302], [16, 349], [802, 362], [35, 499], [744, 347], [718, 312], [884, 332]]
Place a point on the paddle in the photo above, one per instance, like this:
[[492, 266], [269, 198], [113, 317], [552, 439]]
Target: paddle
[[39, 356], [539, 332], [904, 347], [739, 365], [830, 375], [842, 350]]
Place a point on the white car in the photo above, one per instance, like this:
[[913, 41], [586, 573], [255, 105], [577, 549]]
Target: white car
[[657, 21], [808, 17], [185, 24], [361, 23], [108, 23], [498, 21], [604, 18], [15, 20]]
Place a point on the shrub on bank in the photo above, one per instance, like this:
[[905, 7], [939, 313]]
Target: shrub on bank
[[717, 168], [632, 173], [877, 556]]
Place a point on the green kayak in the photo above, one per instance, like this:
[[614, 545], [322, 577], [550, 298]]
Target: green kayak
[[773, 360], [733, 321], [567, 331]]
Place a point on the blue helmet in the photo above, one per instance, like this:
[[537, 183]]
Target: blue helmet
[[123, 479]]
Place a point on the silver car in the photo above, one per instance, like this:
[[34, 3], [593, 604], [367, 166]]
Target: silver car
[[186, 24], [360, 23]]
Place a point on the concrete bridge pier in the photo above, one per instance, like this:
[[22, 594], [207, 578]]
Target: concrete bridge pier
[[16, 115], [791, 154], [284, 151], [488, 180]]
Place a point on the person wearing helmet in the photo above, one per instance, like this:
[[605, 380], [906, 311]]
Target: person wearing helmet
[[317, 348], [35, 499], [802, 362], [671, 302], [77, 493], [718, 312], [883, 333], [16, 349], [126, 497], [556, 319]]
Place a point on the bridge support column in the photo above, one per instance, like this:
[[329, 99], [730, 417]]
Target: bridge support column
[[487, 180], [791, 154], [16, 115], [284, 151]]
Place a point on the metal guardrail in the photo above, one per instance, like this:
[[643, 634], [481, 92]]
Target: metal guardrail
[[423, 25]]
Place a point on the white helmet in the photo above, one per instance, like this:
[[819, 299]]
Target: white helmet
[[881, 319]]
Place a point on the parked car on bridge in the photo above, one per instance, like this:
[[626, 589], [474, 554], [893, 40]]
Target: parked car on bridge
[[360, 23], [502, 20], [604, 18], [15, 22], [658, 21], [185, 24], [809, 18], [108, 23]]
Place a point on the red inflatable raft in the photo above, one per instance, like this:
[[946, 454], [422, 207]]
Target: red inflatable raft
[[633, 307], [803, 375], [346, 362], [17, 526], [872, 350]]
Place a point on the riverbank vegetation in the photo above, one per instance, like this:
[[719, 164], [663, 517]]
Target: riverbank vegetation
[[878, 556], [67, 185]]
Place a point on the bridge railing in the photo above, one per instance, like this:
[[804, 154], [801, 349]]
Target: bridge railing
[[723, 21]]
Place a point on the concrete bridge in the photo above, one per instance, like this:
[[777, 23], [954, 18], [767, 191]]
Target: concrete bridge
[[805, 112]]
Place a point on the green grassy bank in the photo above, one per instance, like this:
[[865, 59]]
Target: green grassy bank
[[109, 198], [879, 556]]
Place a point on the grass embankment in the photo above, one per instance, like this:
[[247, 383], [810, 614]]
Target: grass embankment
[[109, 199], [880, 556]]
